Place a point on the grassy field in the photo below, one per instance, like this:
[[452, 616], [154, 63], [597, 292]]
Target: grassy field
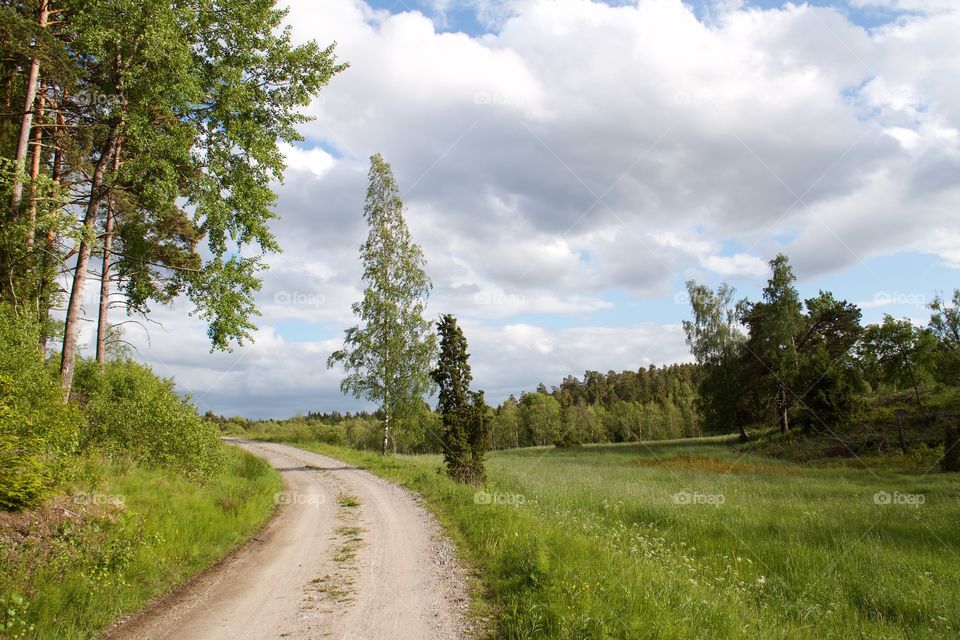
[[123, 536], [693, 539]]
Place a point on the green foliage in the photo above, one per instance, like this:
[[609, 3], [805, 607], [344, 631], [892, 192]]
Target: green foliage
[[38, 432], [793, 364], [569, 438], [945, 324], [828, 380], [951, 446], [387, 359], [466, 425], [505, 425], [13, 623], [172, 115], [24, 271], [596, 544], [132, 533], [540, 415], [772, 360], [898, 353], [831, 399], [718, 345], [132, 411]]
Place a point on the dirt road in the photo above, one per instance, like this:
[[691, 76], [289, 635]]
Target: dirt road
[[349, 556]]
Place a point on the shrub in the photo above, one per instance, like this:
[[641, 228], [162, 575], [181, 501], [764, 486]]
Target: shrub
[[567, 440], [951, 447], [38, 430], [131, 411]]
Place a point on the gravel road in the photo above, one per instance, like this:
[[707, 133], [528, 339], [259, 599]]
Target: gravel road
[[348, 556]]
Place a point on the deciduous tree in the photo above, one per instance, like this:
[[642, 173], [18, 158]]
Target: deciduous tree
[[774, 323], [899, 352], [717, 343], [387, 358]]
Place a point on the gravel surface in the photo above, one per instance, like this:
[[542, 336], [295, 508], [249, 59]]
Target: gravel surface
[[349, 556]]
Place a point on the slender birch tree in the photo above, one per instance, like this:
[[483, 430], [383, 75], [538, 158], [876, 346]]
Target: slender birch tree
[[387, 357]]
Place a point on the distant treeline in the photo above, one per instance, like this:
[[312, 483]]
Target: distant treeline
[[647, 404], [806, 366]]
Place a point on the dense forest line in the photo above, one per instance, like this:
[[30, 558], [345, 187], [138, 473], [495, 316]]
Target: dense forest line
[[807, 368], [651, 403]]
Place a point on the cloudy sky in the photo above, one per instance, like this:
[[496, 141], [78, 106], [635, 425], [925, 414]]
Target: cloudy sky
[[568, 164]]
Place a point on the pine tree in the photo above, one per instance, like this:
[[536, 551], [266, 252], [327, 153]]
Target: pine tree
[[464, 412], [168, 118]]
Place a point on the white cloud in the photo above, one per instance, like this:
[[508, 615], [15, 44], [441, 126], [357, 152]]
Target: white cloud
[[584, 148], [315, 160], [739, 264]]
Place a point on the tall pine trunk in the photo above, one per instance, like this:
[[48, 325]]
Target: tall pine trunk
[[35, 170], [26, 120], [102, 324], [72, 325], [47, 259]]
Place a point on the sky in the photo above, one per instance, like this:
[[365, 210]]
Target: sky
[[568, 164]]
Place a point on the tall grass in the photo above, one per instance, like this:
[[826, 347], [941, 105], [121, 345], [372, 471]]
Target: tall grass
[[145, 530], [693, 539]]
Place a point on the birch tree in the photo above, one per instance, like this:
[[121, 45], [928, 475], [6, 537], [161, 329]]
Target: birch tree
[[387, 357]]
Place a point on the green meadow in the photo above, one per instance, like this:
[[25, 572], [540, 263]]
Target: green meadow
[[695, 539]]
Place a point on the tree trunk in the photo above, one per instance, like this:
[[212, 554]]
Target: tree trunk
[[35, 170], [102, 325], [26, 120], [951, 448], [47, 282], [900, 436], [386, 433], [782, 409], [72, 325]]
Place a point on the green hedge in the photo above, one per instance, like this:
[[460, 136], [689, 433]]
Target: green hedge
[[131, 411], [38, 431], [119, 408]]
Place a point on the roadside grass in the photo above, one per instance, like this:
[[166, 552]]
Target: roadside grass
[[126, 534], [696, 539]]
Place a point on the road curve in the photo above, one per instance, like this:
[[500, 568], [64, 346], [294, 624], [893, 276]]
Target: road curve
[[348, 556]]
